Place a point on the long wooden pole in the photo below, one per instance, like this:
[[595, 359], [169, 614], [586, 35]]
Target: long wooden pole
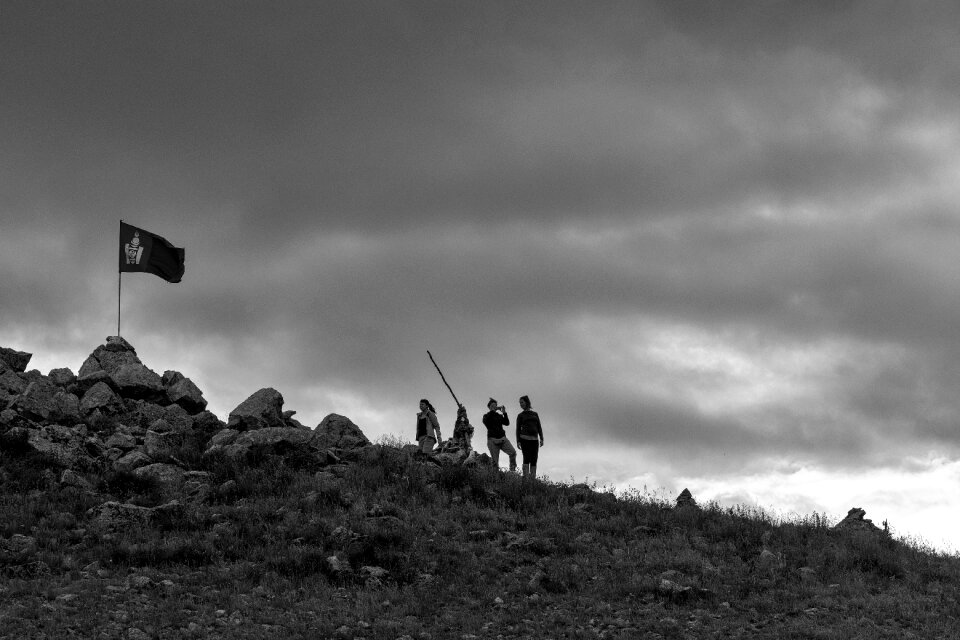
[[442, 378]]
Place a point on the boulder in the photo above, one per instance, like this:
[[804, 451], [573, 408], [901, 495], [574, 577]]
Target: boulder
[[162, 447], [16, 360], [184, 392], [338, 432], [87, 381], [62, 377], [44, 400], [167, 476], [109, 357], [855, 521], [269, 440], [63, 446], [134, 380], [119, 440], [262, 409], [143, 415], [101, 397], [117, 517], [11, 384], [132, 460], [70, 478]]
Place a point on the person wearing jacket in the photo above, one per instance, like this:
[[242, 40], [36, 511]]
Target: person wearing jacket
[[529, 436], [495, 420], [427, 427]]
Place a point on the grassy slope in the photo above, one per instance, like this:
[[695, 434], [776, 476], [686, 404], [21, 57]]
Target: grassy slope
[[470, 553]]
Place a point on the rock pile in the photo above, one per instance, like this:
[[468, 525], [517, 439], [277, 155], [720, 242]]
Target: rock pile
[[117, 415], [855, 521], [685, 499]]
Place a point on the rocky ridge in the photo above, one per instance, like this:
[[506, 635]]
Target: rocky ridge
[[117, 415]]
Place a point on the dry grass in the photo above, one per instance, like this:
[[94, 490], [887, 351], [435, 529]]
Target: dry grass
[[470, 552]]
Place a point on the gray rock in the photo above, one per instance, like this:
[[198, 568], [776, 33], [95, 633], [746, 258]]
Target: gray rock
[[262, 409], [117, 517], [123, 441], [144, 415], [268, 440], [44, 400], [61, 445], [109, 357], [855, 521], [11, 384], [336, 566], [224, 437], [101, 397], [132, 460], [70, 478], [186, 394], [167, 476], [62, 377], [19, 545], [162, 447], [16, 360], [87, 381], [338, 432], [134, 380]]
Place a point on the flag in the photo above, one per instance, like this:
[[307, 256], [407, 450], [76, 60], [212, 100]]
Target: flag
[[144, 251]]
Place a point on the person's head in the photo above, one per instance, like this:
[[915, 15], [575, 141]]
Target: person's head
[[525, 402], [492, 405], [425, 405]]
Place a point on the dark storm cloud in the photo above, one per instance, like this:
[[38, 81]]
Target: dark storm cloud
[[543, 194]]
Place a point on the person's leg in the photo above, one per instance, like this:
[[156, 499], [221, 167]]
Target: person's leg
[[494, 451], [534, 457], [508, 447]]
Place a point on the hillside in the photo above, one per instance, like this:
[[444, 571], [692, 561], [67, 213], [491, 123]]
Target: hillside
[[129, 511]]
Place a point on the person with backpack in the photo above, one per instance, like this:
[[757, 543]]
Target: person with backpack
[[529, 436], [495, 420], [427, 426]]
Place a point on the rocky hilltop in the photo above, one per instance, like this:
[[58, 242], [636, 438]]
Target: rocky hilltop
[[129, 511], [116, 413]]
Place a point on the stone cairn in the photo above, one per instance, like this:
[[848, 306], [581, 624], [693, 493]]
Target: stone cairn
[[685, 499]]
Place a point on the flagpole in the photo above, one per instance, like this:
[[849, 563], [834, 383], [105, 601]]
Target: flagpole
[[119, 282]]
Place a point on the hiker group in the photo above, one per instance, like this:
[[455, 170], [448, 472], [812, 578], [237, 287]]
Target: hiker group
[[529, 434]]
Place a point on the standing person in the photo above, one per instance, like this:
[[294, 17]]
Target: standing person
[[529, 436], [495, 420], [427, 426], [463, 430]]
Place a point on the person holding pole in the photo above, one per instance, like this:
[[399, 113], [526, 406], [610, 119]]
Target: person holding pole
[[427, 426], [495, 420], [529, 437]]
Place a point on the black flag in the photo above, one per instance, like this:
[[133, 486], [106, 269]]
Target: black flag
[[144, 251]]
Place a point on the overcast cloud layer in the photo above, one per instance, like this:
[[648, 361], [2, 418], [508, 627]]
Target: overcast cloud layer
[[714, 243]]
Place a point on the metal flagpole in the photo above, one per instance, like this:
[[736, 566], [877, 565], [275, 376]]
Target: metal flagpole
[[119, 282]]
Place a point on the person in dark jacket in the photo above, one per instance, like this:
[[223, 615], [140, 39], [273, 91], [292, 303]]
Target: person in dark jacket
[[495, 420], [529, 437], [427, 426]]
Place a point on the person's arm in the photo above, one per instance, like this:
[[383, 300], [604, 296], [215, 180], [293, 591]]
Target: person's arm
[[435, 423], [505, 419], [539, 430]]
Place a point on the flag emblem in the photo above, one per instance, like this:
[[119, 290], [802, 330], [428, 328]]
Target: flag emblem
[[133, 249]]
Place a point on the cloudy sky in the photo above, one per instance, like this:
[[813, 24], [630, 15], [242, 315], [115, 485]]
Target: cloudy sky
[[714, 243]]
